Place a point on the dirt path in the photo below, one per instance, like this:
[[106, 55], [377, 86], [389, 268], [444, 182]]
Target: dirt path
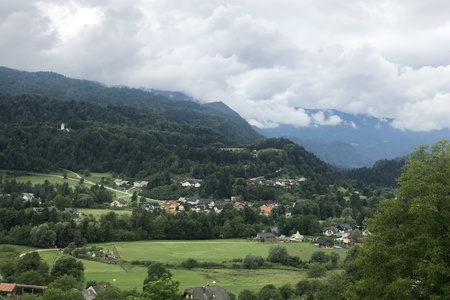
[[39, 250]]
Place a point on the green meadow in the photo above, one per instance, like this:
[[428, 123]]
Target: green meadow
[[72, 179], [96, 213], [126, 276]]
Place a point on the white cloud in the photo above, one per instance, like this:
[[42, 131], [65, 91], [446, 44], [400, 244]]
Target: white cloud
[[425, 115], [388, 59]]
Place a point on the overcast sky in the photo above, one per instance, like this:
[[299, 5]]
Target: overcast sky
[[389, 59]]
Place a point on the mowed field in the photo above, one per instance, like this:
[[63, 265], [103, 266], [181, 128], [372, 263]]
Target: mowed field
[[73, 180], [96, 213], [173, 252]]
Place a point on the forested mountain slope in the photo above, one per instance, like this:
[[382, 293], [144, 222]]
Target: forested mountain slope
[[231, 126], [135, 143]]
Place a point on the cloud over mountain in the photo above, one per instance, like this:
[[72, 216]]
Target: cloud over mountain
[[388, 59]]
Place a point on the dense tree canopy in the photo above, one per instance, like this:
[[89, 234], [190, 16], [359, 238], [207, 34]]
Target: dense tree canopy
[[407, 257], [67, 265]]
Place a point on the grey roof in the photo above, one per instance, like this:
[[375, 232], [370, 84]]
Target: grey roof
[[265, 235], [322, 240], [206, 293]]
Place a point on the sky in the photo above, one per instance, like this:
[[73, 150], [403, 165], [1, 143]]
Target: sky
[[267, 60]]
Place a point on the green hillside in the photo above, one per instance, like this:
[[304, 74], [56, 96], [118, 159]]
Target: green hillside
[[231, 127]]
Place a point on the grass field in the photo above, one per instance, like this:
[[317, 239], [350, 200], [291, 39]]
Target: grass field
[[208, 250], [233, 280], [98, 212], [72, 180], [52, 178]]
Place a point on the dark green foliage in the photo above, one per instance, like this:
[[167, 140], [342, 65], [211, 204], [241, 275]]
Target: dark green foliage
[[316, 270], [286, 291], [278, 254], [67, 265], [247, 295], [58, 294], [407, 255], [320, 257], [157, 271], [269, 292], [110, 293], [252, 262], [334, 260], [191, 118], [65, 283], [42, 236], [382, 173], [163, 288], [303, 287], [189, 263]]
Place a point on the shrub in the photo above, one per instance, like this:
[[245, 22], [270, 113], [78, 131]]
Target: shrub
[[252, 262], [278, 254], [320, 257], [189, 263], [316, 270]]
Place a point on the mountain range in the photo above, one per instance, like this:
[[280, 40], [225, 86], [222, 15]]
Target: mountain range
[[357, 141]]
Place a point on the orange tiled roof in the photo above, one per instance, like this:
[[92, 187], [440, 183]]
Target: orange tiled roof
[[7, 287], [265, 209]]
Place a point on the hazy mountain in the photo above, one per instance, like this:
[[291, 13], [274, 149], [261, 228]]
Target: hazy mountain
[[359, 140]]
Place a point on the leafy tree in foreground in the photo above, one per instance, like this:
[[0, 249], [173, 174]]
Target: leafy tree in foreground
[[58, 294], [247, 295], [407, 256], [161, 289], [110, 293], [269, 292], [65, 283]]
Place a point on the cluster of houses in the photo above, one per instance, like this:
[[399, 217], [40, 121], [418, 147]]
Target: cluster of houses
[[331, 236], [286, 183], [138, 184], [270, 237], [195, 182], [207, 205], [322, 242], [195, 204], [192, 182]]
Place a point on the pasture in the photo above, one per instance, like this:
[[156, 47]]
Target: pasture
[[208, 250], [126, 276], [96, 213], [72, 179]]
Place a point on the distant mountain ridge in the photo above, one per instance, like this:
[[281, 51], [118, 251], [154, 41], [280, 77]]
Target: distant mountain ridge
[[357, 141], [173, 106]]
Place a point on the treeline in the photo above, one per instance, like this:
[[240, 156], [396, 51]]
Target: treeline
[[51, 225], [383, 173]]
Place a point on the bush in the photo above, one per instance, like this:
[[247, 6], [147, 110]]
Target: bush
[[320, 257], [278, 254], [252, 262], [316, 270], [295, 261], [189, 263]]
